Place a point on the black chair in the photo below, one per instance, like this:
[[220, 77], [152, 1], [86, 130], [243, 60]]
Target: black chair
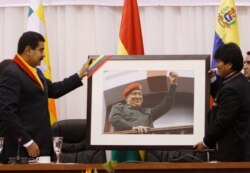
[[74, 149], [178, 156]]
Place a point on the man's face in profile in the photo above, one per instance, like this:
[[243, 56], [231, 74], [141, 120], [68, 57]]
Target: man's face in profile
[[36, 55], [224, 69], [134, 99], [246, 67]]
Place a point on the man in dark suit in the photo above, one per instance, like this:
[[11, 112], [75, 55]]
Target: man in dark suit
[[228, 118], [3, 66], [24, 99], [246, 69]]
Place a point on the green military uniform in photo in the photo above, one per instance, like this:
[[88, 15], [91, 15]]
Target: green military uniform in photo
[[125, 117]]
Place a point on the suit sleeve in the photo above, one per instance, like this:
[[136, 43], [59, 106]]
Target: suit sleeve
[[214, 88], [58, 89], [228, 106], [9, 102]]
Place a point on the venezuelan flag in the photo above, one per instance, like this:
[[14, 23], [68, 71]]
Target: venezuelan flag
[[226, 26], [97, 63]]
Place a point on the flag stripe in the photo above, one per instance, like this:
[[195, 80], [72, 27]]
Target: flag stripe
[[217, 43], [121, 49], [97, 63], [130, 29]]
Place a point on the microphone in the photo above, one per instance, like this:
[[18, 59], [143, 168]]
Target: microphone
[[18, 159], [19, 140]]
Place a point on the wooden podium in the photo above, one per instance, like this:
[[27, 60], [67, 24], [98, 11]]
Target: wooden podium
[[198, 167]]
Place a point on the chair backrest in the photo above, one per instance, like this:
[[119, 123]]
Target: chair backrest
[[177, 156], [74, 149]]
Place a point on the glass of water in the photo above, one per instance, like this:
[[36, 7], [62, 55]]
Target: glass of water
[[57, 146], [1, 144]]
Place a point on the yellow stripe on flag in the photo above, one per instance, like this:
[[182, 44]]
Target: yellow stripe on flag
[[95, 61], [121, 48], [40, 13]]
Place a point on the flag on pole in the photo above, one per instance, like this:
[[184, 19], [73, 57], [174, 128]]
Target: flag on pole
[[130, 43], [36, 22], [130, 37], [226, 26]]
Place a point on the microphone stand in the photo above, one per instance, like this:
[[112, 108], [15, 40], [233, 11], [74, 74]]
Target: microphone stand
[[19, 140]]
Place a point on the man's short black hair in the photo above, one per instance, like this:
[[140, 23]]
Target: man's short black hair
[[230, 53], [29, 38], [248, 52]]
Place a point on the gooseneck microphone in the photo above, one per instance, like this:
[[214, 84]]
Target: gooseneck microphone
[[19, 141], [18, 159]]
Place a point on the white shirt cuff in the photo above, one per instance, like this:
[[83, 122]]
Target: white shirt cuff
[[28, 143], [213, 79], [204, 144]]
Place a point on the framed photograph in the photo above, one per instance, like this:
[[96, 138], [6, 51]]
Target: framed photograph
[[147, 101]]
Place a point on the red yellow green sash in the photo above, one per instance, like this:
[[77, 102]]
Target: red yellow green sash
[[25, 67]]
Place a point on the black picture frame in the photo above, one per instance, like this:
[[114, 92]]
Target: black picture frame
[[191, 106]]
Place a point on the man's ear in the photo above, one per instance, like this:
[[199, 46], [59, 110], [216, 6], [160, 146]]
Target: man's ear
[[27, 50], [125, 98], [230, 65]]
